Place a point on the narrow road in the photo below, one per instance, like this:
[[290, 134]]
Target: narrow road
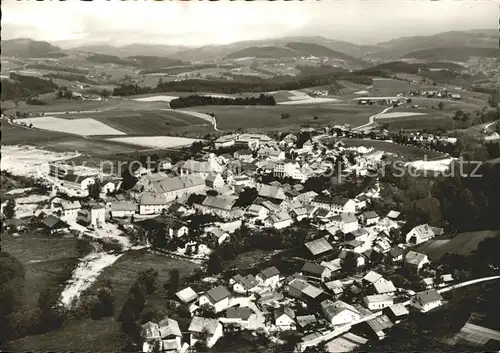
[[371, 120]]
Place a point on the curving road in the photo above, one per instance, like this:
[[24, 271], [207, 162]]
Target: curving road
[[371, 120]]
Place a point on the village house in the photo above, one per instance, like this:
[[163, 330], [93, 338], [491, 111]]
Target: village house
[[244, 154], [214, 181], [274, 154], [371, 278], [218, 235], [396, 313], [427, 300], [361, 234], [54, 225], [335, 287], [284, 318], [150, 333], [414, 261], [319, 247], [306, 322], [257, 211], [378, 326], [201, 168], [369, 218], [396, 254], [278, 220], [292, 170], [77, 184], [243, 285], [68, 209], [220, 205], [187, 295], [269, 277], [152, 203], [378, 301], [337, 204], [93, 214], [384, 287], [121, 209], [201, 327], [316, 272], [422, 233], [339, 312], [171, 188], [171, 336], [271, 192], [238, 316], [217, 297], [346, 222]]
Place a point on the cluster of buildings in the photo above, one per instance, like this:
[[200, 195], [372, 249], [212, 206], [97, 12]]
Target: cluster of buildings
[[317, 300]]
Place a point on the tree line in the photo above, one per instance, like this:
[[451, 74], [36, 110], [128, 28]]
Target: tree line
[[20, 87], [253, 84], [196, 100]]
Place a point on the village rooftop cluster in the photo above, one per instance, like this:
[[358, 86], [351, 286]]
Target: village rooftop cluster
[[270, 192]]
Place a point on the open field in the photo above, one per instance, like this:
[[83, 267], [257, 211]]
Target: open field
[[84, 127], [389, 147], [462, 244], [269, 117], [156, 142], [48, 262], [95, 335], [417, 122], [61, 142], [152, 122]]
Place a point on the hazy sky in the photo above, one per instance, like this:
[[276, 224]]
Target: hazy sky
[[194, 23]]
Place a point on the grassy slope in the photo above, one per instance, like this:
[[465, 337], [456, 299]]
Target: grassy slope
[[56, 257], [463, 244], [105, 335]]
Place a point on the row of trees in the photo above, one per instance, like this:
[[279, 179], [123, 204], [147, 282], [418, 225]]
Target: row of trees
[[196, 100]]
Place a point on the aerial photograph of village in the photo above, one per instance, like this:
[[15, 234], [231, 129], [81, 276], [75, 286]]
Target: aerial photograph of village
[[233, 177]]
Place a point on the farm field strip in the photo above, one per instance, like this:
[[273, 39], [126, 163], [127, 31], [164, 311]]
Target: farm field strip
[[156, 99], [156, 142], [84, 127], [398, 115]]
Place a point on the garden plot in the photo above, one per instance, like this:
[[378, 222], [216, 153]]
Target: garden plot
[[83, 127], [155, 142], [156, 99], [399, 115]]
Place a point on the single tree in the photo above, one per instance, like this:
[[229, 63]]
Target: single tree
[[9, 209]]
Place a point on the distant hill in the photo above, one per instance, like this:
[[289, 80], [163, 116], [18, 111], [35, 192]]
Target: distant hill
[[28, 48], [213, 52], [140, 61], [453, 53], [400, 47], [131, 50], [292, 49]]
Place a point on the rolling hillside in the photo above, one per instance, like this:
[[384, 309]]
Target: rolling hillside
[[130, 50], [212, 52], [453, 53], [292, 49], [400, 47], [27, 48]]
